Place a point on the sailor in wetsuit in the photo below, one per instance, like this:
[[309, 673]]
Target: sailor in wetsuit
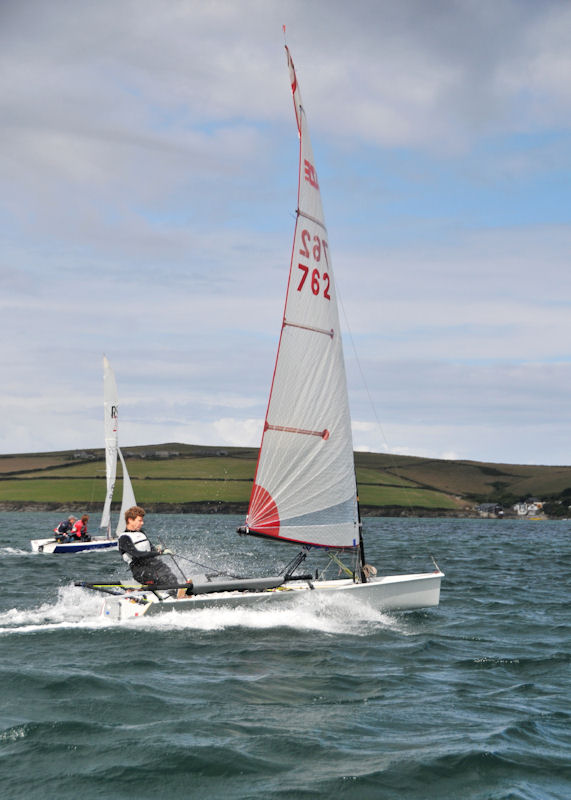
[[145, 561], [63, 530]]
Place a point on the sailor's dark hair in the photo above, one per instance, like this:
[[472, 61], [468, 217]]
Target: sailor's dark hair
[[134, 512]]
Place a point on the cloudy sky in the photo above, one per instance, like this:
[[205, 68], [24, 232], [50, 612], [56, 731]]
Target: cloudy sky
[[148, 168]]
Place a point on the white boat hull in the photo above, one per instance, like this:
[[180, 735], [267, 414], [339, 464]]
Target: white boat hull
[[388, 593], [52, 546]]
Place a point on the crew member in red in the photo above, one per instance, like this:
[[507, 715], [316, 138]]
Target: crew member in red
[[79, 530]]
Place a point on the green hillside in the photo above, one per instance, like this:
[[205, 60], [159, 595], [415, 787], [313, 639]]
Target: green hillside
[[190, 477]]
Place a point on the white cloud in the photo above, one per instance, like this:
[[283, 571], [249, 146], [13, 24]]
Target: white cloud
[[148, 183], [239, 432]]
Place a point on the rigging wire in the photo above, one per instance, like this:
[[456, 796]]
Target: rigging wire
[[365, 384], [288, 569], [207, 567], [362, 374]]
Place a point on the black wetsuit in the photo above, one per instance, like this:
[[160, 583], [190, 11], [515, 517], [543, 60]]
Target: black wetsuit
[[63, 531], [144, 560]]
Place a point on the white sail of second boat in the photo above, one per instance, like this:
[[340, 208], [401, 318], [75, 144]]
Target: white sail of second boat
[[108, 541], [128, 497], [112, 451]]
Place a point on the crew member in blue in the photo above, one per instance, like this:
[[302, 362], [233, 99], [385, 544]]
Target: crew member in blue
[[144, 560], [63, 530]]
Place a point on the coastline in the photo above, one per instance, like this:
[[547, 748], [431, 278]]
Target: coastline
[[217, 507]]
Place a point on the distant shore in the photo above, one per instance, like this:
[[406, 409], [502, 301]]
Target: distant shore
[[234, 508], [176, 478]]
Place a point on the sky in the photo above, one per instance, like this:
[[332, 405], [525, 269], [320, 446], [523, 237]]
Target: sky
[[148, 186]]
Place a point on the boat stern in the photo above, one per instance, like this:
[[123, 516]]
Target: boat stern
[[39, 545], [117, 609], [53, 546], [405, 592]]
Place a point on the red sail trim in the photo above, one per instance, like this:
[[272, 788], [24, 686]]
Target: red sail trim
[[263, 512], [324, 434]]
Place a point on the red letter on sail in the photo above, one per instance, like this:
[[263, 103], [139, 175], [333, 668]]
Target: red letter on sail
[[310, 174]]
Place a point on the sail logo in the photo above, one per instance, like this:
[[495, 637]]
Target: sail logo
[[114, 411], [310, 174]]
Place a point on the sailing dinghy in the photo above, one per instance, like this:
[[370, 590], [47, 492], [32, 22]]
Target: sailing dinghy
[[108, 541], [305, 488]]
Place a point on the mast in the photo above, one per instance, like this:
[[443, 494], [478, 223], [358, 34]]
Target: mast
[[110, 418], [112, 451], [361, 545]]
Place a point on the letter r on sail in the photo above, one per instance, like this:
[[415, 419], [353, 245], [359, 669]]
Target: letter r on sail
[[310, 174]]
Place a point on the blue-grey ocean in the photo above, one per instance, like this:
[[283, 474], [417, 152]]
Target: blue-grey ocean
[[320, 699]]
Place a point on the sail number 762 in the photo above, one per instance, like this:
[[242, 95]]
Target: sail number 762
[[319, 282]]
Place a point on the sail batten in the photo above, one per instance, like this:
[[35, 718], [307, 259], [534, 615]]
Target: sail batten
[[304, 490], [324, 434], [330, 333], [311, 219]]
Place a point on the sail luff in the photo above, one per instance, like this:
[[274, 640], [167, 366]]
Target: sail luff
[[287, 290], [265, 428], [304, 490]]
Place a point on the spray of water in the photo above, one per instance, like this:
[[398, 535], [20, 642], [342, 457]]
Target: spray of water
[[81, 609]]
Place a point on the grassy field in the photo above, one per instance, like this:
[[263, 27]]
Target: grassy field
[[185, 474], [91, 494], [378, 496]]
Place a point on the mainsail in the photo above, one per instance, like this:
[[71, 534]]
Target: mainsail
[[305, 489], [112, 450]]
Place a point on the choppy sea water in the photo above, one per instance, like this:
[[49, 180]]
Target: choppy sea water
[[469, 701]]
